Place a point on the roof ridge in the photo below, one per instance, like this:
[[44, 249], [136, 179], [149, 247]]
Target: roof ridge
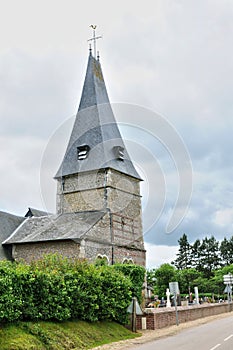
[[15, 231]]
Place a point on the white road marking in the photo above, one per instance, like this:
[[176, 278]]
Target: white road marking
[[215, 347], [230, 336]]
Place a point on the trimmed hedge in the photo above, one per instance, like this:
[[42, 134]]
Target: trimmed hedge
[[136, 275], [55, 288]]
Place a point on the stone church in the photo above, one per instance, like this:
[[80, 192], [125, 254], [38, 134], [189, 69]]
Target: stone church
[[98, 193]]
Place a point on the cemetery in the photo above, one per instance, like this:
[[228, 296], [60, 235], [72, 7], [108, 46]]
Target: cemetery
[[175, 311]]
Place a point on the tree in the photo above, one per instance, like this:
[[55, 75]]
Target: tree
[[195, 254], [209, 256], [226, 250], [183, 260], [218, 276], [186, 278], [150, 277], [206, 285], [164, 274]]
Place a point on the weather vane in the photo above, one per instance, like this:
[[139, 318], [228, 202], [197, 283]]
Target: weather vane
[[94, 38]]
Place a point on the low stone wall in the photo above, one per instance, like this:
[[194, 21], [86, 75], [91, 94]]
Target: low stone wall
[[164, 317]]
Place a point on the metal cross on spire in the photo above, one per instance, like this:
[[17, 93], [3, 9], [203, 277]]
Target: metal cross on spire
[[94, 38]]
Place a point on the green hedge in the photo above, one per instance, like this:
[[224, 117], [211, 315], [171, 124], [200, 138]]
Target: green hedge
[[136, 274], [55, 288]]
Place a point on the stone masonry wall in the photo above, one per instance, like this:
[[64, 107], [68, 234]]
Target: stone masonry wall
[[84, 201], [113, 192], [123, 182], [83, 191], [124, 201], [122, 253], [123, 194], [119, 254], [35, 251], [98, 191], [84, 181], [103, 240], [101, 231], [95, 249], [127, 231]]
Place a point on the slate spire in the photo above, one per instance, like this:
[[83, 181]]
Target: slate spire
[[95, 142]]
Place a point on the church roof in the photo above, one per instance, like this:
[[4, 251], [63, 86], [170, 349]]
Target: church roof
[[8, 224], [95, 141], [35, 212], [55, 227]]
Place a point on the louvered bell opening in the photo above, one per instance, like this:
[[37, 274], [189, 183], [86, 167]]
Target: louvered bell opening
[[82, 152], [119, 152]]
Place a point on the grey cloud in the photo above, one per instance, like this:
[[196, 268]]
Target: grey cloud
[[171, 56]]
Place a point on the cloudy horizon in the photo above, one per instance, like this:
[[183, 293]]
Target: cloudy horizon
[[169, 58]]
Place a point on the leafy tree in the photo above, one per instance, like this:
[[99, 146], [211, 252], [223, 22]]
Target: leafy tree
[[164, 274], [218, 277], [206, 285], [186, 278], [150, 277], [152, 280], [183, 260]]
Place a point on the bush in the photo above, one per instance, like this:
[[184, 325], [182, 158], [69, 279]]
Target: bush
[[136, 274], [115, 295], [10, 293], [54, 288]]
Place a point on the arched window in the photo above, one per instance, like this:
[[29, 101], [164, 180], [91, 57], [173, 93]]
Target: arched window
[[102, 260], [128, 261]]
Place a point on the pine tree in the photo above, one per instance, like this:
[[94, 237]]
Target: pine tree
[[209, 257], [196, 254], [183, 260], [226, 250]]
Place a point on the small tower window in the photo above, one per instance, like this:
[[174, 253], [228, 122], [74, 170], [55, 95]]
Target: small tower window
[[82, 152], [119, 152]]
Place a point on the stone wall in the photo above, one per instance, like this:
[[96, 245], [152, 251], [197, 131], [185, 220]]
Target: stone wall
[[122, 182], [83, 191], [123, 194], [35, 251], [127, 231], [90, 249], [94, 249], [117, 244], [105, 189], [119, 234], [101, 231], [121, 253], [99, 240], [84, 181], [161, 318]]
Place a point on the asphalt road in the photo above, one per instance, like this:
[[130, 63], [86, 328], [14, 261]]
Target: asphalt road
[[217, 334]]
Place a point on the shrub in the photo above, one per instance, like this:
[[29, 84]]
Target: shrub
[[54, 288], [136, 274]]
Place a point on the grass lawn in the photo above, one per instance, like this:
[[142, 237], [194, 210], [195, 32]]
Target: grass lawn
[[60, 335]]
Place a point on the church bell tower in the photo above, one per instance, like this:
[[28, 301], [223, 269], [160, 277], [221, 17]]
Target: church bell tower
[[97, 174]]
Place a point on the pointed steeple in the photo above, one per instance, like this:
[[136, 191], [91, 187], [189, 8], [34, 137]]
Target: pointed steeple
[[95, 141], [94, 89]]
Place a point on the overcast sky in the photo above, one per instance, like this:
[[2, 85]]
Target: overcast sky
[[168, 61]]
